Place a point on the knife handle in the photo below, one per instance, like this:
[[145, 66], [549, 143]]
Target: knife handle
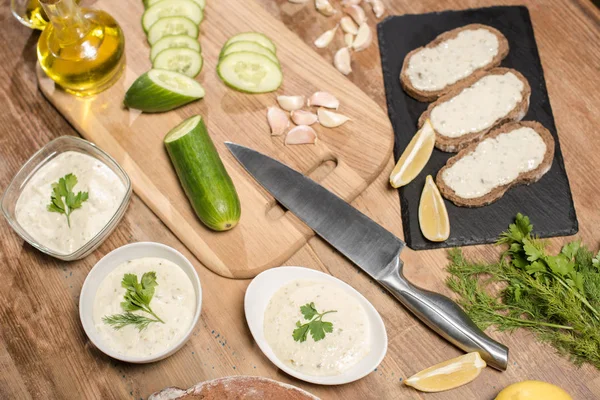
[[444, 316]]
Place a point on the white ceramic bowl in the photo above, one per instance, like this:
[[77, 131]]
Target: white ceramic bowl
[[267, 283], [108, 263]]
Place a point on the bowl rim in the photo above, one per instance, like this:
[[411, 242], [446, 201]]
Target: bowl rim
[[86, 306], [291, 274], [55, 146]]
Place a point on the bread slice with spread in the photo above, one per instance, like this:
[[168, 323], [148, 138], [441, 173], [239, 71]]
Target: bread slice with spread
[[430, 71], [512, 154], [466, 114]]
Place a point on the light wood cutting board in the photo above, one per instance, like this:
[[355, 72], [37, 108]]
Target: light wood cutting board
[[345, 160]]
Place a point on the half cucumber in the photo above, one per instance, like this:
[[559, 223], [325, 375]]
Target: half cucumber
[[171, 8], [172, 26], [150, 3], [252, 37], [252, 47], [159, 90], [177, 41], [184, 61], [249, 72], [202, 174]]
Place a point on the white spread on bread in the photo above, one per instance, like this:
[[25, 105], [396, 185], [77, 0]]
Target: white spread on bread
[[495, 162], [434, 68], [478, 106], [339, 350], [174, 301], [50, 229]]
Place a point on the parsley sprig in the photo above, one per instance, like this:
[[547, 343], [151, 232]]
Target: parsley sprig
[[63, 189], [555, 296], [137, 298], [316, 326]]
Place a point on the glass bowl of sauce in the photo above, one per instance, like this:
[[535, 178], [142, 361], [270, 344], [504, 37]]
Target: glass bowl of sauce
[[74, 233]]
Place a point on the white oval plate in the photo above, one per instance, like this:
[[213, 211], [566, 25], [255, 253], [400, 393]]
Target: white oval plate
[[108, 263], [257, 298]]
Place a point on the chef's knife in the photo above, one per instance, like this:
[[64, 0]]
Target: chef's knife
[[368, 245]]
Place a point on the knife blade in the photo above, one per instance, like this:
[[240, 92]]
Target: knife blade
[[368, 245]]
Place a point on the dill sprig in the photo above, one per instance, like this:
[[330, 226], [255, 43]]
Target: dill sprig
[[555, 296]]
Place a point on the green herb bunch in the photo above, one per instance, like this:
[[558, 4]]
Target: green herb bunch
[[316, 326], [137, 298], [63, 200], [555, 296]]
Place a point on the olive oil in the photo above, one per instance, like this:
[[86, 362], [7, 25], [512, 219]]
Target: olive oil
[[82, 50], [30, 13]]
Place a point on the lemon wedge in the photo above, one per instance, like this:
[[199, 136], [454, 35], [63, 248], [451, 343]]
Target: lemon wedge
[[433, 216], [533, 390], [449, 374], [415, 156]]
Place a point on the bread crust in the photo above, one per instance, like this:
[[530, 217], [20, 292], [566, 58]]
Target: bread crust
[[426, 96], [523, 178], [454, 144]]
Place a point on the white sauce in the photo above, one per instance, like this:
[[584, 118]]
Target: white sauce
[[50, 229], [174, 302], [436, 67], [479, 106], [495, 162], [339, 350]]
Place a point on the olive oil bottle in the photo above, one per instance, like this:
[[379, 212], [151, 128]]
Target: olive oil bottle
[[30, 13], [82, 50]]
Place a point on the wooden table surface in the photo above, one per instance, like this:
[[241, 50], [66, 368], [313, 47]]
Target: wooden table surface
[[44, 352]]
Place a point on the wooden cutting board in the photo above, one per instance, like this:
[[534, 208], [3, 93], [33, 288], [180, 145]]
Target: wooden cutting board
[[345, 160]]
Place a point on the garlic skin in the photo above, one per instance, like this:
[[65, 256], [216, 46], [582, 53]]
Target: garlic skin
[[348, 25], [323, 99], [348, 39], [301, 117], [377, 7], [326, 38], [278, 121], [301, 134], [329, 119], [290, 103], [325, 7], [341, 60], [363, 38], [357, 14]]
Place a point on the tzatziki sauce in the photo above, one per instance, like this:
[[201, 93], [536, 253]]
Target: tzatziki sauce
[[174, 301], [340, 350], [50, 229]]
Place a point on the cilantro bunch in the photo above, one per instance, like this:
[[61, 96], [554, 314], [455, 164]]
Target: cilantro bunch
[[555, 296]]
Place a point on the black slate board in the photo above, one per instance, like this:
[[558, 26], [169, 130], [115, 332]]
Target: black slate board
[[548, 202]]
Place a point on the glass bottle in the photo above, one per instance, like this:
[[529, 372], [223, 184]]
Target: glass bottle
[[30, 13], [82, 50]]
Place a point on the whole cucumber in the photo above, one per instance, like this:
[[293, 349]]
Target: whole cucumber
[[202, 174]]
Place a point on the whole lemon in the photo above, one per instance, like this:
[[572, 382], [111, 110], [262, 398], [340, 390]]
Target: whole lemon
[[533, 390]]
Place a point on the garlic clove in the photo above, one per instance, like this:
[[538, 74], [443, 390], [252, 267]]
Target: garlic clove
[[364, 37], [323, 99], [348, 39], [329, 119], [351, 2], [341, 60], [357, 13], [325, 7], [377, 7], [301, 117], [290, 103], [301, 134], [326, 38], [278, 121], [348, 25]]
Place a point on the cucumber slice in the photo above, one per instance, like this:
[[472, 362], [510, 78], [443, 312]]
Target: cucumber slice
[[202, 174], [184, 61], [177, 41], [252, 47], [158, 90], [252, 37], [249, 72], [150, 3], [172, 8], [172, 26]]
